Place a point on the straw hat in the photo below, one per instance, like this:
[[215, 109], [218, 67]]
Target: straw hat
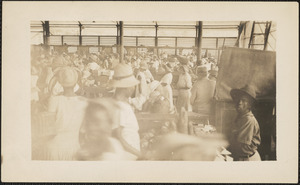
[[123, 77], [67, 76], [201, 70], [213, 72], [153, 85], [247, 90], [59, 61], [171, 59], [144, 65], [168, 67], [185, 68], [183, 61], [86, 74]]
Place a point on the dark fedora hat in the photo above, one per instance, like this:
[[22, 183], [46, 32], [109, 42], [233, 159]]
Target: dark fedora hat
[[247, 90]]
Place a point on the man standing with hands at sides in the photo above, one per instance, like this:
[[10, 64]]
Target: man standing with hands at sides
[[246, 133], [127, 132]]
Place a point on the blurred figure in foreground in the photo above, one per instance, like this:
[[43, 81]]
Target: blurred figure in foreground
[[181, 147], [246, 132], [96, 133]]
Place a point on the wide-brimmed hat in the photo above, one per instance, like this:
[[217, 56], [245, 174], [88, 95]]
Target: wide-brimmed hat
[[201, 70], [144, 65], [59, 61], [171, 59], [67, 76], [123, 77], [153, 85], [183, 61], [185, 68], [93, 57], [213, 72], [247, 90], [86, 74], [168, 67]]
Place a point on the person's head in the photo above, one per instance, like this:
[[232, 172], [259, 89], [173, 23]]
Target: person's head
[[57, 62], [243, 104], [124, 92], [160, 105], [143, 66], [243, 98], [184, 69], [213, 73], [68, 77], [168, 68], [124, 81], [97, 120], [201, 72]]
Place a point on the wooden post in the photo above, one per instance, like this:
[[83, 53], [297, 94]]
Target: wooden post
[[176, 46], [80, 30], [199, 41], [251, 37], [121, 52], [240, 30], [118, 38], [267, 33], [156, 39], [217, 44], [136, 44], [46, 32]]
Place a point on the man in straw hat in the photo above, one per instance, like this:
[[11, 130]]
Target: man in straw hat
[[246, 133], [125, 83], [202, 92], [184, 86]]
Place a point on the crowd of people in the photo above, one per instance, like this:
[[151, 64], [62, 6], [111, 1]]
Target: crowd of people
[[104, 126]]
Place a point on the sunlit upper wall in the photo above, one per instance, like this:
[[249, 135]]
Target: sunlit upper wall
[[140, 28]]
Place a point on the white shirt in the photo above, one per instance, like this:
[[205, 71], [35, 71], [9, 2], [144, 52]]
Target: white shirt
[[130, 125]]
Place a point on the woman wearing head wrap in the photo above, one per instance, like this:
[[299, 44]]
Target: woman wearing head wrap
[[69, 110], [166, 89]]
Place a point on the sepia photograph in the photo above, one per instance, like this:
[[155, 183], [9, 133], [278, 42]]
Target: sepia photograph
[[161, 92], [125, 90]]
